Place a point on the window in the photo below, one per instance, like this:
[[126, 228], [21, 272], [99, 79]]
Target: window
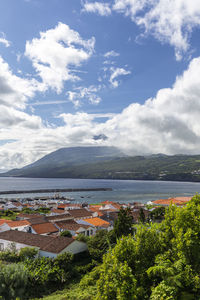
[[88, 232], [1, 246]]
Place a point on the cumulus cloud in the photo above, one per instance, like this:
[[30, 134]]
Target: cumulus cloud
[[103, 9], [15, 90], [55, 52], [169, 21], [116, 72]]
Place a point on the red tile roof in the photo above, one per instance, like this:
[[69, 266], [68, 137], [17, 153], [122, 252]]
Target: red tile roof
[[44, 228], [97, 222], [80, 213], [177, 201], [2, 221], [70, 225], [13, 224]]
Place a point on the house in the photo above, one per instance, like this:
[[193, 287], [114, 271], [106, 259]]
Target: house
[[48, 246], [180, 201], [55, 212], [74, 228], [60, 217], [96, 222], [69, 206], [14, 225], [81, 213], [23, 216], [46, 228]]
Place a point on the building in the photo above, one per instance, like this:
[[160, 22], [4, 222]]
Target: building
[[46, 245]]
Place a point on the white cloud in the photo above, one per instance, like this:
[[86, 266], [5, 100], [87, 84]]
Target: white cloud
[[169, 21], [116, 72], [14, 90], [82, 93], [103, 9], [55, 52], [3, 40], [111, 53]]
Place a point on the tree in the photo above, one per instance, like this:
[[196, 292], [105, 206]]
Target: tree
[[123, 224], [66, 233], [27, 253], [99, 244], [142, 216], [13, 281]]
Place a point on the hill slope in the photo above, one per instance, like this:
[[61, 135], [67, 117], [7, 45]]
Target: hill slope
[[110, 163]]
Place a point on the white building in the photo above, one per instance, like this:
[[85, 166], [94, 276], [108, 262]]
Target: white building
[[48, 246]]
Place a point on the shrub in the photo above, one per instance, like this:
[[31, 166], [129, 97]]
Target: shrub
[[66, 233], [27, 253]]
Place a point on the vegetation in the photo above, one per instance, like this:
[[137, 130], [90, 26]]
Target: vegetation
[[40, 210], [66, 233], [123, 224], [13, 281], [8, 214]]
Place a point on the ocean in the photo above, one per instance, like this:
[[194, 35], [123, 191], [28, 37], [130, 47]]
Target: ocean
[[122, 190]]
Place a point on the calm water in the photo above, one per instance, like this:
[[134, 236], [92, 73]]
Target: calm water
[[123, 190]]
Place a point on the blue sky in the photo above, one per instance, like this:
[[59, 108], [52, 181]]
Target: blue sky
[[127, 70]]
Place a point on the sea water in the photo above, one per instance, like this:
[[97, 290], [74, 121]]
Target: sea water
[[122, 190]]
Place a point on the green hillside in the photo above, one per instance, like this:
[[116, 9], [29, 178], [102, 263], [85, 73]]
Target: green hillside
[[111, 163]]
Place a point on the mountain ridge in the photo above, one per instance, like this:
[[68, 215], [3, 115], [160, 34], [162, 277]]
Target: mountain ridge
[[111, 163]]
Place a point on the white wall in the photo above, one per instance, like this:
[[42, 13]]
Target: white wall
[[75, 247]]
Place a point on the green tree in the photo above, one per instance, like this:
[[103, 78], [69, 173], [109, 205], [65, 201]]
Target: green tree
[[99, 244], [13, 281], [66, 233], [27, 253], [142, 216], [123, 224]]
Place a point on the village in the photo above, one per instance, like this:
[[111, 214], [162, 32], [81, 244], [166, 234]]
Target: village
[[54, 225]]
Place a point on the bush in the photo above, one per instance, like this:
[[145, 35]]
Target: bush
[[9, 256], [66, 233], [27, 253]]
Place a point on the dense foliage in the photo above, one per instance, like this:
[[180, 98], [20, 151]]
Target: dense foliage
[[13, 281], [123, 224], [66, 233]]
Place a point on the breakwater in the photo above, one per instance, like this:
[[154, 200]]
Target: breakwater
[[54, 191]]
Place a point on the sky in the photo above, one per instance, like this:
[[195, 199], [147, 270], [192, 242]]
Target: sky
[[122, 73]]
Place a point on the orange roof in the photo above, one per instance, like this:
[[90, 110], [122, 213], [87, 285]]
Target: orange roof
[[97, 222], [2, 221], [17, 223], [44, 228], [177, 201]]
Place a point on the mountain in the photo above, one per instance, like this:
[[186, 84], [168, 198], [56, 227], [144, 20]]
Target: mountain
[[111, 163], [50, 164]]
